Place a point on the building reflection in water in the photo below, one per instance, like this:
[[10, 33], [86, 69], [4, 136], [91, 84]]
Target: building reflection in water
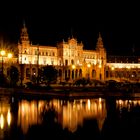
[[128, 104], [71, 113], [5, 116], [28, 114]]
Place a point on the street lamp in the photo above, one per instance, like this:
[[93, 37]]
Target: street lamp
[[10, 55], [3, 53]]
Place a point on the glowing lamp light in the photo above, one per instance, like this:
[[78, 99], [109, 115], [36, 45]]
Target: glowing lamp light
[[88, 65], [10, 55], [112, 68], [73, 66], [128, 67], [2, 52]]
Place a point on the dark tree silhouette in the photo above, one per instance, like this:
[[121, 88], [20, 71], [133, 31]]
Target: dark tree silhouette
[[13, 76], [49, 74]]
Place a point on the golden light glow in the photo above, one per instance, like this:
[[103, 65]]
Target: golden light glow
[[88, 104], [10, 55], [88, 65], [1, 121], [9, 117], [95, 62], [120, 66], [112, 68], [123, 65], [29, 112], [2, 52], [100, 99], [73, 66], [128, 67]]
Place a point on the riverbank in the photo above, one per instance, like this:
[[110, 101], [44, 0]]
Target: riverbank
[[64, 93]]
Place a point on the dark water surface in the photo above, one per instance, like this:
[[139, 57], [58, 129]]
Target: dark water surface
[[73, 119]]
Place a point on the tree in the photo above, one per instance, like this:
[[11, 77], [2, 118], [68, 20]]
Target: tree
[[13, 76], [3, 80], [49, 74], [36, 78]]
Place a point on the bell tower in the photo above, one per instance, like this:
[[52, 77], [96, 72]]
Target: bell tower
[[24, 38], [24, 45], [99, 44], [101, 58]]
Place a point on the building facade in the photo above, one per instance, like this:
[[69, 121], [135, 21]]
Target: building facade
[[70, 58], [123, 68], [72, 61]]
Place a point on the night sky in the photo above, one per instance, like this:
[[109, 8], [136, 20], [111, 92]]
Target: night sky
[[49, 22]]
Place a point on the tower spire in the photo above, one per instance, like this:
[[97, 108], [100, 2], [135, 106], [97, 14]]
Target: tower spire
[[24, 34], [99, 42]]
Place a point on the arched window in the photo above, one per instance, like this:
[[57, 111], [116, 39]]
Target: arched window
[[72, 61], [33, 71], [59, 72], [72, 74], [76, 73], [69, 73], [107, 75], [93, 74], [66, 73], [27, 72], [66, 62], [80, 73]]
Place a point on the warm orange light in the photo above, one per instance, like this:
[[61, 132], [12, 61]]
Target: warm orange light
[[1, 121], [73, 66], [88, 65], [112, 68], [2, 52], [10, 55], [9, 117]]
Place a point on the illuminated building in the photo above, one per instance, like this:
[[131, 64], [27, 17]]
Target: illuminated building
[[69, 58], [123, 68], [72, 61]]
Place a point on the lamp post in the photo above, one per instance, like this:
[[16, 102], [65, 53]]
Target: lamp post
[[9, 55], [2, 55]]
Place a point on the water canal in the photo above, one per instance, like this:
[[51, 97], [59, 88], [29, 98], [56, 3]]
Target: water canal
[[52, 118]]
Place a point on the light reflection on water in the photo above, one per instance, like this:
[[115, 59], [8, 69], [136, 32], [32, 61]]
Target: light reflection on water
[[5, 115], [70, 113], [127, 104]]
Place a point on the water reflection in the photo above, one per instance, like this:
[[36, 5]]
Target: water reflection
[[5, 118], [27, 114], [127, 103], [5, 115], [71, 113], [119, 117]]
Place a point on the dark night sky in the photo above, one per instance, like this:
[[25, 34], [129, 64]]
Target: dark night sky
[[52, 21]]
